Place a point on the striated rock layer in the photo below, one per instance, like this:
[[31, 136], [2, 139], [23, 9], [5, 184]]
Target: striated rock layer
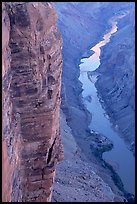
[[31, 71]]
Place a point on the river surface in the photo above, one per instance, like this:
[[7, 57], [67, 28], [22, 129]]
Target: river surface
[[119, 157]]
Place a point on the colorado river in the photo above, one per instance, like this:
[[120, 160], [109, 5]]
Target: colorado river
[[119, 157]]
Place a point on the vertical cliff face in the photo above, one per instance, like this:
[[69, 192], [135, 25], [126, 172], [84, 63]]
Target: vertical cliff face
[[31, 71]]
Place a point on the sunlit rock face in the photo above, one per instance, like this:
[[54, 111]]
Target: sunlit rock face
[[31, 71]]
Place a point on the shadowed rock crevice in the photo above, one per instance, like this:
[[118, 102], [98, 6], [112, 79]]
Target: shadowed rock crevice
[[50, 152]]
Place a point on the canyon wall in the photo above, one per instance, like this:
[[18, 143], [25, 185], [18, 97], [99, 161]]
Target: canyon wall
[[82, 25], [116, 82], [31, 73], [80, 30]]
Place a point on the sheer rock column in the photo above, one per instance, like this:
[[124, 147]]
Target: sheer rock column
[[31, 71]]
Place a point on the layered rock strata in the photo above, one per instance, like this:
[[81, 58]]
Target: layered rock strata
[[31, 71]]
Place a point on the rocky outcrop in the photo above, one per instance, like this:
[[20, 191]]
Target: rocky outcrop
[[31, 71], [76, 180], [116, 81]]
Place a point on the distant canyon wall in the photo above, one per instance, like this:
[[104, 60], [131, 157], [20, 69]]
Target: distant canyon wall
[[31, 74], [116, 83], [83, 25]]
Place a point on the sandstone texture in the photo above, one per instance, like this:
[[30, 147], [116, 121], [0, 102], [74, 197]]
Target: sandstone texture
[[31, 73]]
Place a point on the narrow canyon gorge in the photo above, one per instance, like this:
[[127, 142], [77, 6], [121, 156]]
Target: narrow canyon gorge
[[83, 25], [68, 101]]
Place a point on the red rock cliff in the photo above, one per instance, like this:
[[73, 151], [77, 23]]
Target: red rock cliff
[[31, 71]]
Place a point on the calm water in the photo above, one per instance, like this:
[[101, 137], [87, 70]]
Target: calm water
[[119, 157]]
